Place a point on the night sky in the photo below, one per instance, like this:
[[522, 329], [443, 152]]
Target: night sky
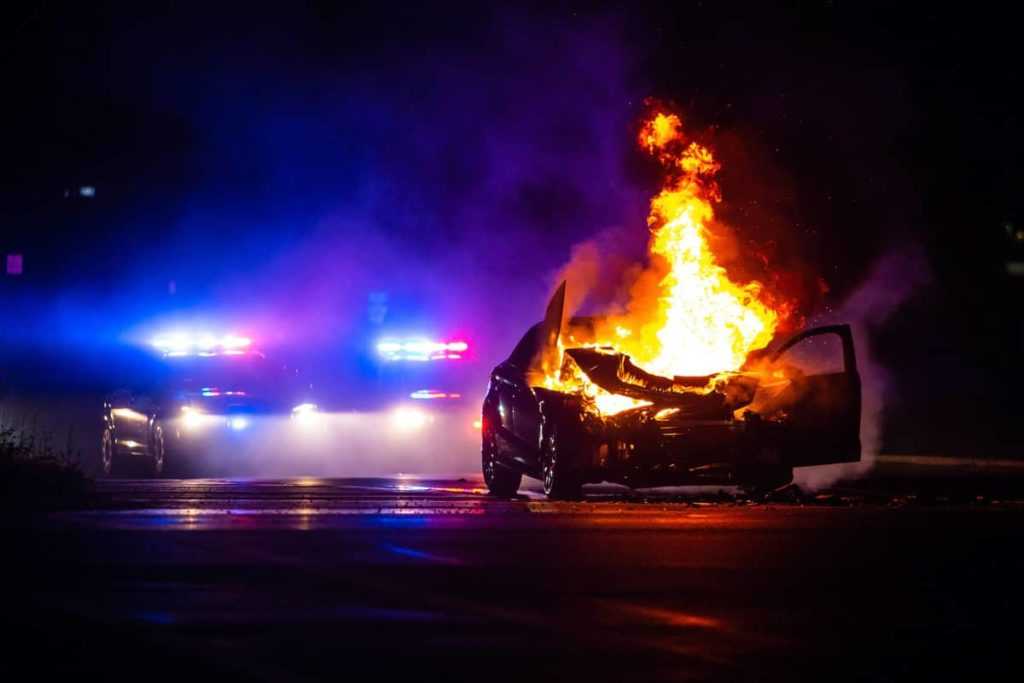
[[284, 163]]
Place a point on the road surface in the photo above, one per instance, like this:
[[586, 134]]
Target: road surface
[[412, 579]]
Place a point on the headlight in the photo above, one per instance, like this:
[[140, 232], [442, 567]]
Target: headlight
[[306, 414], [409, 419], [191, 418]]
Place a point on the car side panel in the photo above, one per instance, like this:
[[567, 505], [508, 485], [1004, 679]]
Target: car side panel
[[515, 410]]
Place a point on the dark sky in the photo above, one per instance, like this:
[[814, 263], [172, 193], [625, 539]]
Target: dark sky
[[298, 157]]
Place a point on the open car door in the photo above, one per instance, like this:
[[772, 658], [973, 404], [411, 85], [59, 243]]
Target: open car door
[[821, 401]]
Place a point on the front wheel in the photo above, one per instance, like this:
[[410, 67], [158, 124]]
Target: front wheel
[[561, 480], [500, 480], [107, 454], [157, 451]]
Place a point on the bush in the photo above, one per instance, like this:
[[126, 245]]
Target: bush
[[35, 475]]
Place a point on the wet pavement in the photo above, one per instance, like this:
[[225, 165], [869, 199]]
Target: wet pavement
[[402, 578]]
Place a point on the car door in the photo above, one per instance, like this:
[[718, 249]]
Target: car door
[[822, 398]]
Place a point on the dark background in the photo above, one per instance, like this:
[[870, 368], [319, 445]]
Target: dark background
[[281, 164]]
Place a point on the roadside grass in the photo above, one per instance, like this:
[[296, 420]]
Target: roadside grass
[[35, 474]]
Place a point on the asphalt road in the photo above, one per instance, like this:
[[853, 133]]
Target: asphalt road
[[409, 579]]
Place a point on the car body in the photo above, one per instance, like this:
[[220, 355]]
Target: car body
[[216, 400], [752, 428]]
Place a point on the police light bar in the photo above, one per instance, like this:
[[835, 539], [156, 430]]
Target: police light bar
[[421, 349], [183, 344], [433, 395]]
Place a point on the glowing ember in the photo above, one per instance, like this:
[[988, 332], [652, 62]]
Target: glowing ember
[[697, 321]]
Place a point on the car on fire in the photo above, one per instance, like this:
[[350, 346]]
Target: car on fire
[[750, 427], [209, 394]]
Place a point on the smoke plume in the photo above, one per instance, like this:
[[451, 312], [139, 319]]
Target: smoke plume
[[895, 277]]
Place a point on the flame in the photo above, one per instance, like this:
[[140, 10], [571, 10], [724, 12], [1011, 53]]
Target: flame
[[571, 379], [697, 321], [701, 322]]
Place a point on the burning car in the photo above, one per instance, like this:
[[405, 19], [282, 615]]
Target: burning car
[[688, 383], [628, 426]]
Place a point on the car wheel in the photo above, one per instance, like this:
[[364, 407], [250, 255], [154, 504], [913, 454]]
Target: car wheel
[[107, 452], [500, 480], [561, 481], [157, 451]]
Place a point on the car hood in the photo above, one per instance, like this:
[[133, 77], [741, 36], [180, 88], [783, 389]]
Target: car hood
[[705, 396]]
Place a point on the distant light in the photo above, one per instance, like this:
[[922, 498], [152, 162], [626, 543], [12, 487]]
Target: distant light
[[238, 423], [419, 349], [408, 419], [234, 342], [204, 344], [87, 191], [478, 424], [432, 394], [306, 414], [129, 414], [15, 264], [191, 418]]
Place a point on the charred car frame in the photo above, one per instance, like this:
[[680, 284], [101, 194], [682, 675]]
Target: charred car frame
[[750, 427]]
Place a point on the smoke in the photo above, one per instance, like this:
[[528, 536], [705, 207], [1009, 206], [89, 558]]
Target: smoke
[[894, 278], [318, 200]]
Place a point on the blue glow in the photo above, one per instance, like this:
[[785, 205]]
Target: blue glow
[[203, 344], [420, 349]]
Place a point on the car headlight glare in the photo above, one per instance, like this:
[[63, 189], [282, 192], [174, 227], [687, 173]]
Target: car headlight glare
[[409, 419], [306, 413], [192, 419]]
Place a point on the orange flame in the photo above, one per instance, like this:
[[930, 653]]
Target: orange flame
[[696, 321], [702, 322]]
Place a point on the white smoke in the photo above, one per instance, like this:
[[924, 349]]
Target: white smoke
[[893, 279]]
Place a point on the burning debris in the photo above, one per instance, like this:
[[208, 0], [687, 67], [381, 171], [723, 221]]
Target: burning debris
[[681, 388]]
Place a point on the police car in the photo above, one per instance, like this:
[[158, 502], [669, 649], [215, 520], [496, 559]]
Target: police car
[[211, 395]]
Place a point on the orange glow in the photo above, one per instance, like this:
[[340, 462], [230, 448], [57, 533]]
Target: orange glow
[[686, 317], [703, 322]]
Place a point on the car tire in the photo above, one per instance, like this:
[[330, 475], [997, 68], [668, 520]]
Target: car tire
[[110, 463], [561, 480], [157, 451], [500, 480]]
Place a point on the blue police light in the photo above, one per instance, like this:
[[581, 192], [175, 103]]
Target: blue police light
[[204, 344]]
